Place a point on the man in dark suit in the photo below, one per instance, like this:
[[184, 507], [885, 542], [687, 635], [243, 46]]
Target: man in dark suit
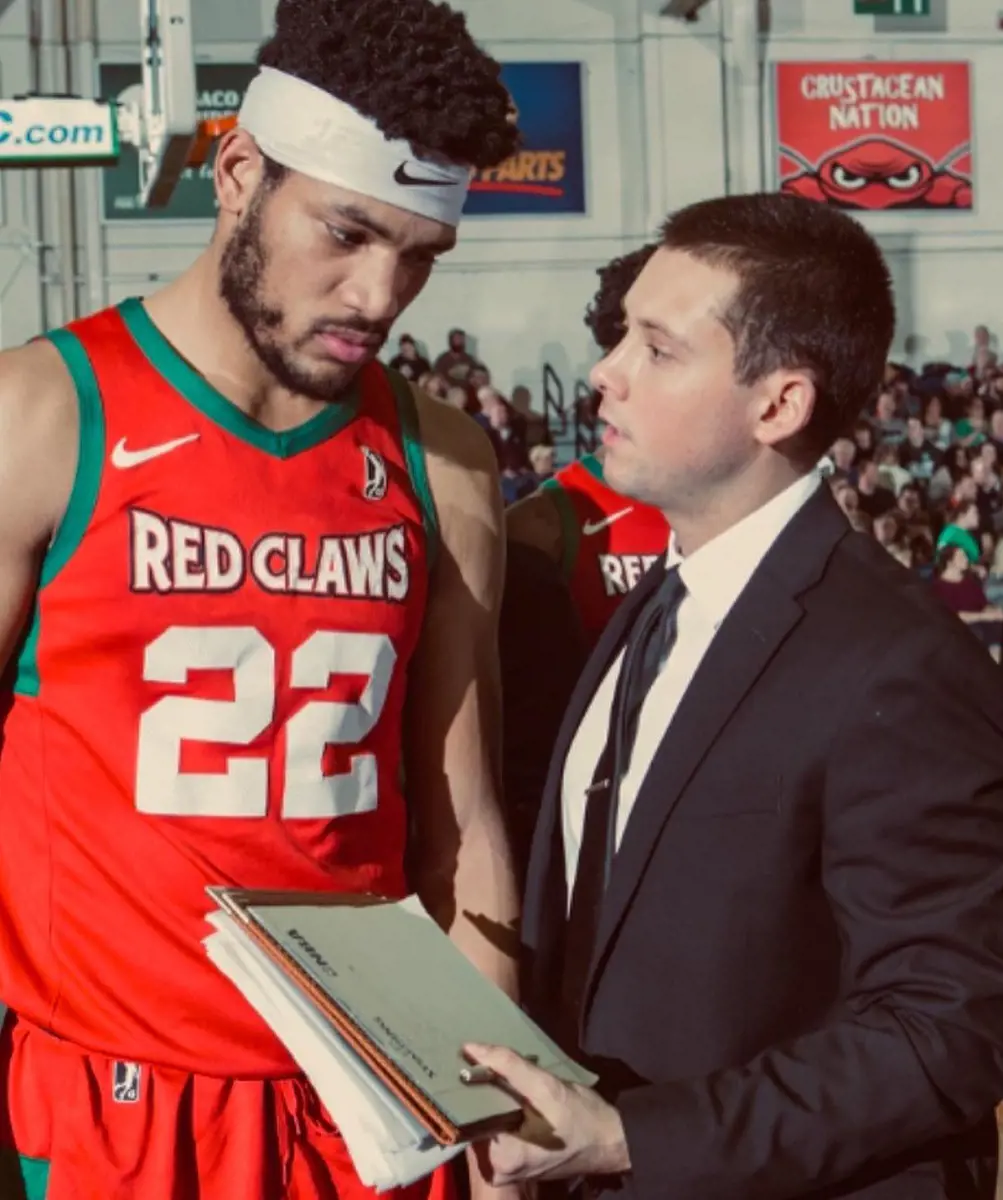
[[765, 899]]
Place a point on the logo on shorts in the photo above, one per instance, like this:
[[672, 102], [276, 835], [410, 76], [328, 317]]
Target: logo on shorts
[[125, 1083], [375, 486]]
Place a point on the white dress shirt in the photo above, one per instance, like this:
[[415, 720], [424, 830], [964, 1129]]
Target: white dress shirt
[[715, 576]]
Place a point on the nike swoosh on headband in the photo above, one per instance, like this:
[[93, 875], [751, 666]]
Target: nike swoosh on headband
[[405, 180]]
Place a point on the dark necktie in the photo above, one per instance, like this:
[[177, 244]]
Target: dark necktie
[[648, 644]]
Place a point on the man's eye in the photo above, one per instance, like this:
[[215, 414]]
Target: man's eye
[[346, 237], [658, 355]]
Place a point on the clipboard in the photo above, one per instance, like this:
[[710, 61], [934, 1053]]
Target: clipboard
[[340, 964]]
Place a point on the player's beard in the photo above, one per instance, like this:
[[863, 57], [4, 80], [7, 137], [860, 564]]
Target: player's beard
[[242, 286]]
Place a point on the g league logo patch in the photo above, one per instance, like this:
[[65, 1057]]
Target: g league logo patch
[[375, 485], [125, 1082]]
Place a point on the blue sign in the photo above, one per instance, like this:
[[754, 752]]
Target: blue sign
[[548, 174]]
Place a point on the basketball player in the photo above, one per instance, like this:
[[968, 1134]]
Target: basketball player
[[249, 584], [603, 541]]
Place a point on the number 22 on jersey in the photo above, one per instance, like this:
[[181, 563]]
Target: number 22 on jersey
[[162, 789]]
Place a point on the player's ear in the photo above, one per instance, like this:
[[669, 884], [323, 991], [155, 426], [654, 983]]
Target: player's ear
[[237, 171]]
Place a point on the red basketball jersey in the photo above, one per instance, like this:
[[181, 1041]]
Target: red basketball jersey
[[609, 541], [210, 693]]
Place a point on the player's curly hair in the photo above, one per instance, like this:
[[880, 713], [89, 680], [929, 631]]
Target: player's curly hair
[[409, 65], [604, 316]]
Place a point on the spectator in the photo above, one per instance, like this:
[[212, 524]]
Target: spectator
[[891, 473], [456, 397], [918, 454], [843, 454], [915, 520], [921, 552], [988, 495], [888, 533], [503, 426], [846, 497], [517, 480], [456, 363], [407, 361], [435, 386], [875, 498], [953, 468], [939, 431], [863, 435], [973, 428], [961, 530], [888, 425], [542, 459], [993, 392], [961, 590], [996, 430], [478, 378]]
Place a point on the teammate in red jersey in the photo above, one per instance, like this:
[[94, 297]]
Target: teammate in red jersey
[[575, 548], [603, 541], [249, 584]]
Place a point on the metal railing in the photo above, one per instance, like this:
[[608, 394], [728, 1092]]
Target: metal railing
[[586, 423]]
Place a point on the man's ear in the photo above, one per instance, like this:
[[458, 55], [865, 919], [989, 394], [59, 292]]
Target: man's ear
[[237, 171], [785, 404]]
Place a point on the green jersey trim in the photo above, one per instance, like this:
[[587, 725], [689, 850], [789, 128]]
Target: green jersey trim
[[593, 466], [414, 454], [570, 531], [213, 405], [23, 1178], [83, 496]]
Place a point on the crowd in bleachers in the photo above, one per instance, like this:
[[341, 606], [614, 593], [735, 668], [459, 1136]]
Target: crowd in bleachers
[[522, 441], [921, 473]]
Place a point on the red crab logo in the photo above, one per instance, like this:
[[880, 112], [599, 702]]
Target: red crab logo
[[876, 173]]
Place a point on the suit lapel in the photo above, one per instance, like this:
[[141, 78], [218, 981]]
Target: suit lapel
[[761, 620]]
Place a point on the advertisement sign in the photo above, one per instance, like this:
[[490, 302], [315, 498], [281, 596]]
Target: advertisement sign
[[875, 136], [39, 131], [548, 174]]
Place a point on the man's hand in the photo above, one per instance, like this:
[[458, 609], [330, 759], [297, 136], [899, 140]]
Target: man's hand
[[568, 1131]]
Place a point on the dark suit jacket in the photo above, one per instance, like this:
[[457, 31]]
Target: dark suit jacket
[[798, 984]]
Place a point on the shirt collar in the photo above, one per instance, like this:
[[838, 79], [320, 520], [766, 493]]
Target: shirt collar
[[717, 573]]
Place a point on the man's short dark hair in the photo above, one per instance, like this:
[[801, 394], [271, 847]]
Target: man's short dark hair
[[604, 316], [814, 294], [409, 65]]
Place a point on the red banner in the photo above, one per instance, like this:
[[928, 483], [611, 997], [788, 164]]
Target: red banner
[[875, 136]]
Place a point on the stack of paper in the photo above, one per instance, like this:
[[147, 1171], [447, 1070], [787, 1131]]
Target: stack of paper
[[355, 988], [389, 1147]]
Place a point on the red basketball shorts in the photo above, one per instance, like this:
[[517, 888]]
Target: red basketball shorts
[[79, 1126]]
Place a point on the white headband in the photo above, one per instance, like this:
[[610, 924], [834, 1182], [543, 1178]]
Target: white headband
[[308, 130]]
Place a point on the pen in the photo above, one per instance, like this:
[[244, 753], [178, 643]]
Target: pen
[[485, 1074]]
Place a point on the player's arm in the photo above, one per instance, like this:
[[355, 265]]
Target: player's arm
[[535, 522], [38, 452], [460, 862]]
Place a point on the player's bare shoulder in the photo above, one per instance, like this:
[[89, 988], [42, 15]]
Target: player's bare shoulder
[[461, 463], [534, 521], [39, 435]]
